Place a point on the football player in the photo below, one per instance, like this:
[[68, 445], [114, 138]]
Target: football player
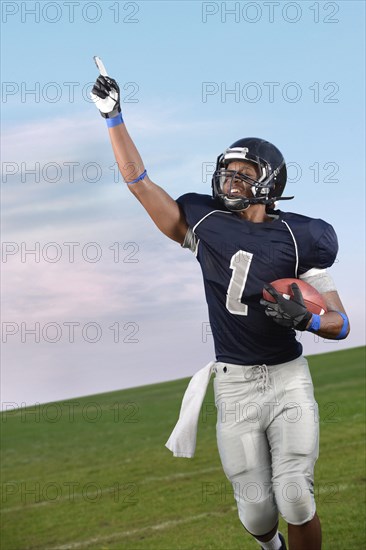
[[267, 427]]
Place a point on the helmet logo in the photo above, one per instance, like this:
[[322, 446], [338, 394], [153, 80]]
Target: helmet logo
[[241, 150], [244, 151]]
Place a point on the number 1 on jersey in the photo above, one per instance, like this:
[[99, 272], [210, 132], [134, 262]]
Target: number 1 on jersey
[[240, 264]]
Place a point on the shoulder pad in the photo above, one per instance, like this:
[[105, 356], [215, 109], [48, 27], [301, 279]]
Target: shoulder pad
[[196, 206], [316, 240]]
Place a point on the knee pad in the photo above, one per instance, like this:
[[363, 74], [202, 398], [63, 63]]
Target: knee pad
[[295, 499], [258, 516]]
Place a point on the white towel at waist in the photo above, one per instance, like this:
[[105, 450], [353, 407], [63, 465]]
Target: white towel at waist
[[182, 440]]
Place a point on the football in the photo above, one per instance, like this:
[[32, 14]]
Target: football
[[312, 298]]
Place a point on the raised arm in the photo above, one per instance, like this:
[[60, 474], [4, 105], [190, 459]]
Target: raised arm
[[162, 208]]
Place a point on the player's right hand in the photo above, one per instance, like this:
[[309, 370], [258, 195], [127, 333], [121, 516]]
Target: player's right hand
[[106, 96], [287, 313]]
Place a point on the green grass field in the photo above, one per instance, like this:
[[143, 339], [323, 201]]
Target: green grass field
[[94, 472]]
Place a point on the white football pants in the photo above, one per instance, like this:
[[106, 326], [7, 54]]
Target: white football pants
[[268, 440]]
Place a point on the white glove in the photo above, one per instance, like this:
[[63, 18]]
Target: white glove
[[105, 93]]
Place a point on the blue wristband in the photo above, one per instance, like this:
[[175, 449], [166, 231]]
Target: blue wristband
[[141, 177], [344, 328], [115, 121], [315, 323]]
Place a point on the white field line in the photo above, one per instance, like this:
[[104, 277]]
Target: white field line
[[121, 534], [158, 527], [181, 474], [161, 526], [106, 490]]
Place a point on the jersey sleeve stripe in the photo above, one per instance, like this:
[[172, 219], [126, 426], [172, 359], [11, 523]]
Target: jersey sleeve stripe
[[296, 249]]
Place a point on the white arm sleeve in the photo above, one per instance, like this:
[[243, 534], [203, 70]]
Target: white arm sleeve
[[319, 279], [190, 241]]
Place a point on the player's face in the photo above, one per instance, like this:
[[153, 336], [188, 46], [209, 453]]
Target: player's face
[[236, 186]]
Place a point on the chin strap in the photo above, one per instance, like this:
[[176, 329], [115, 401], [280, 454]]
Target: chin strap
[[273, 200], [267, 202], [246, 202]]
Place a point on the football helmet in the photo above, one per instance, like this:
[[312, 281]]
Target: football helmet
[[270, 168]]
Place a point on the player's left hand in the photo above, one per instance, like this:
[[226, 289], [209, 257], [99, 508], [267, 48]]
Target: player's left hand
[[287, 313]]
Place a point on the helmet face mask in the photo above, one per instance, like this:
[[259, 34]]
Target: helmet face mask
[[234, 188], [270, 171]]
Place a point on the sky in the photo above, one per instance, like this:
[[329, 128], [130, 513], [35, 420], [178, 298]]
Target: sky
[[94, 298]]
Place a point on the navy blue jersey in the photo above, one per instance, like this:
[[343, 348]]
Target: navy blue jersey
[[237, 257]]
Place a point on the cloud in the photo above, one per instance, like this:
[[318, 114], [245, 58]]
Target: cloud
[[63, 290], [162, 291]]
